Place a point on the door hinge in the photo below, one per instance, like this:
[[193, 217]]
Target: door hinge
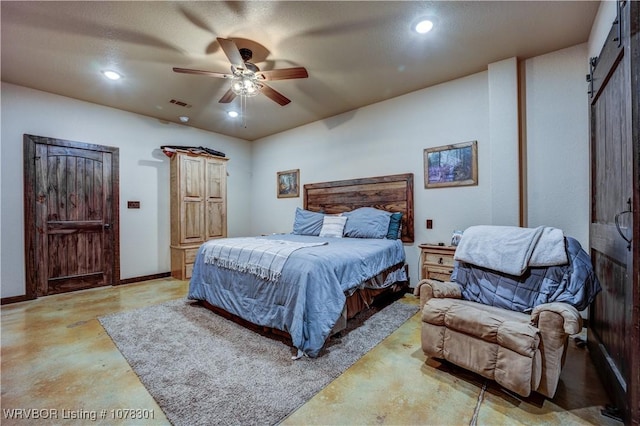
[[618, 21], [592, 66]]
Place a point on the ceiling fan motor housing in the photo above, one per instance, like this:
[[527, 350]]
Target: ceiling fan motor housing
[[245, 53]]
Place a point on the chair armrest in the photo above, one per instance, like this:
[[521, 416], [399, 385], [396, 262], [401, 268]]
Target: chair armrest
[[428, 289], [570, 317], [556, 321]]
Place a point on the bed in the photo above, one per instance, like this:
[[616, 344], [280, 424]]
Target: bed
[[308, 283]]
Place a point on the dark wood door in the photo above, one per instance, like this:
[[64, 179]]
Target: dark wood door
[[613, 333], [71, 215]]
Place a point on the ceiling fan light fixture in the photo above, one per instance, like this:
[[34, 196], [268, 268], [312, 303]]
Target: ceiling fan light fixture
[[245, 85], [423, 26], [112, 75]]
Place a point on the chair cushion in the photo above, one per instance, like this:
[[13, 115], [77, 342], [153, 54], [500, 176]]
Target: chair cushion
[[509, 329]]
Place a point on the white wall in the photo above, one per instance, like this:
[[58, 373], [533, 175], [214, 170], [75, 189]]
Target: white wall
[[389, 137], [144, 175], [557, 142], [607, 12], [385, 138], [504, 132], [557, 132]]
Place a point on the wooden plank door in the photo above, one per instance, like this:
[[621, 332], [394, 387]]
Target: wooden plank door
[[613, 332], [71, 215]]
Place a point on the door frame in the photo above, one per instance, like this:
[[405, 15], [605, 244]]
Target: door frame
[[30, 203]]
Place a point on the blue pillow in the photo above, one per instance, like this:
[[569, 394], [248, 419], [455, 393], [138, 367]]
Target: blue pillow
[[393, 232], [367, 222], [307, 222]]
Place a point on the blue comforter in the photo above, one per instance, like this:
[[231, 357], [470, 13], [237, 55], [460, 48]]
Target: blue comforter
[[309, 297], [574, 283]]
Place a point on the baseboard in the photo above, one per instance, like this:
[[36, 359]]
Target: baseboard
[[145, 278], [24, 298], [15, 299]]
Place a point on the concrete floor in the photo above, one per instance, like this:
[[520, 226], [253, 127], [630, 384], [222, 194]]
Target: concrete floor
[[60, 366]]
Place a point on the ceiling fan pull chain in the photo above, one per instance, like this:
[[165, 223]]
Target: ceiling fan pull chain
[[243, 110]]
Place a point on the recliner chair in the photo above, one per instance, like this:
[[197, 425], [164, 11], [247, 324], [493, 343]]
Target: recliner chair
[[508, 328]]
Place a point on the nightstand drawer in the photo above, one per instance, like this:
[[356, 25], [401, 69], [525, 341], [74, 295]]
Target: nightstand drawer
[[439, 259], [440, 274], [436, 262]]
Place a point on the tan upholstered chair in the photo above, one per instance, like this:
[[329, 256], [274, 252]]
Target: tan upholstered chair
[[521, 352]]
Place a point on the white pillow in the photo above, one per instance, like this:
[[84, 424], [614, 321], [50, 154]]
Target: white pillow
[[333, 226]]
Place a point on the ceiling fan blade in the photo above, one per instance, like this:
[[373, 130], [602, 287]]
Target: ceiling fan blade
[[232, 51], [227, 97], [199, 72], [284, 73], [274, 95]]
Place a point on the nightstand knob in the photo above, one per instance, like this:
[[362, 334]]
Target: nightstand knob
[[440, 262]]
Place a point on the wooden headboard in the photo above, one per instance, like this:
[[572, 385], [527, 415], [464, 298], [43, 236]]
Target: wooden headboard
[[392, 193]]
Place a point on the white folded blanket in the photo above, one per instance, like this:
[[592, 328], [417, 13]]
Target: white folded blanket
[[261, 257], [511, 249]]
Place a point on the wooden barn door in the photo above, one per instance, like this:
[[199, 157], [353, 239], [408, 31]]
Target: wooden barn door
[[71, 215], [614, 331]]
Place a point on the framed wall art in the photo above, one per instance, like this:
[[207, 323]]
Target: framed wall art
[[451, 165], [289, 184]]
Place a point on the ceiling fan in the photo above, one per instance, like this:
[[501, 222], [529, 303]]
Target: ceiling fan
[[246, 78]]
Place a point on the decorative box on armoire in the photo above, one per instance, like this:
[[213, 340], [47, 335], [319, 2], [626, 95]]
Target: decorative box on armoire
[[198, 207]]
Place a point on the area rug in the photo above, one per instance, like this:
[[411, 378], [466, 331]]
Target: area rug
[[203, 369]]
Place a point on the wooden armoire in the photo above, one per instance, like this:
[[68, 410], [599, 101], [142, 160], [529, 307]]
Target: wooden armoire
[[613, 335], [198, 207]]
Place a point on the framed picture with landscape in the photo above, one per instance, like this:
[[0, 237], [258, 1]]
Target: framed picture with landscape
[[289, 184], [451, 165]]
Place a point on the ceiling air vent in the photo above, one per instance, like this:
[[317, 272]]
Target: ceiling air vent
[[180, 103]]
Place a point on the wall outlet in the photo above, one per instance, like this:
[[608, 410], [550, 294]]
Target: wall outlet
[[133, 204], [429, 223]]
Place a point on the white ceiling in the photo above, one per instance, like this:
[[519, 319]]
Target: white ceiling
[[356, 52]]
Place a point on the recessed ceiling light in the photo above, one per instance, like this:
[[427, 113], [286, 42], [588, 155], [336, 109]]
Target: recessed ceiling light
[[184, 118], [424, 26], [233, 114], [112, 75]]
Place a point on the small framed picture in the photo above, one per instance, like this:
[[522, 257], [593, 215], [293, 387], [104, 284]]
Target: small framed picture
[[288, 183], [451, 165]]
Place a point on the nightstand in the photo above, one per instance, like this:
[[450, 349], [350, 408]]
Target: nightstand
[[436, 262]]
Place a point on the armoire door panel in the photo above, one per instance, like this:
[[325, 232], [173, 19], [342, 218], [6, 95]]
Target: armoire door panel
[[216, 220], [193, 219], [215, 172], [192, 179]]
